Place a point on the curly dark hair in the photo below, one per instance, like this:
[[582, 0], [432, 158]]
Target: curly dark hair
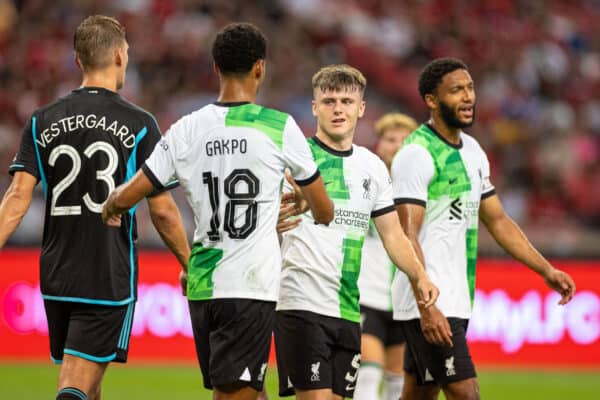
[[433, 73], [237, 47]]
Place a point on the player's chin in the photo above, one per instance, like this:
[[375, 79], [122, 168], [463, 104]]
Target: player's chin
[[466, 122]]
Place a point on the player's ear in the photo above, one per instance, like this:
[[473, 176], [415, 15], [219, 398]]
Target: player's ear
[[216, 68], [431, 101], [259, 69], [314, 108], [361, 108], [77, 62], [119, 59]]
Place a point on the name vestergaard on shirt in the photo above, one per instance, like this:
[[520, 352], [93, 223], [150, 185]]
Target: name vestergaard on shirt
[[89, 121], [221, 146]]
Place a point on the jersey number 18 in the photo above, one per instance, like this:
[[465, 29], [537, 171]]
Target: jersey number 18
[[236, 199]]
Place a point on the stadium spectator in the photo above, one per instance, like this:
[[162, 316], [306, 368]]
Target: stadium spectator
[[536, 64]]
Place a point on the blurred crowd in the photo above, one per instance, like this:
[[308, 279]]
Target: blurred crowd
[[536, 65]]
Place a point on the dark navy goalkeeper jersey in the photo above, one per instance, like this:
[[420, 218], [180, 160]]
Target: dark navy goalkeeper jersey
[[81, 147]]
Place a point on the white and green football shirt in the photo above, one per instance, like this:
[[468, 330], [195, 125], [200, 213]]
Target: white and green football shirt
[[230, 160], [449, 181], [376, 273], [321, 263]]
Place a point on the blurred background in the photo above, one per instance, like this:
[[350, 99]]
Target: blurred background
[[536, 66]]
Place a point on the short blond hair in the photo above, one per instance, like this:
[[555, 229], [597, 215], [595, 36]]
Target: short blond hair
[[338, 77], [94, 38], [394, 120]]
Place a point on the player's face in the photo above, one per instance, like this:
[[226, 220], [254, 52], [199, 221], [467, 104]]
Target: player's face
[[456, 99], [338, 111], [391, 140], [124, 55]]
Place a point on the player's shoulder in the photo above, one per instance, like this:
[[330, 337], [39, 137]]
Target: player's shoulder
[[366, 157], [364, 153], [275, 112], [470, 143], [413, 154], [197, 122], [136, 111], [50, 108], [258, 116]]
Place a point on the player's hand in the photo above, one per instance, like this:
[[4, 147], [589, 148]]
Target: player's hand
[[114, 220], [284, 222], [435, 327], [183, 282], [292, 204], [562, 283], [427, 291], [109, 218], [295, 197]]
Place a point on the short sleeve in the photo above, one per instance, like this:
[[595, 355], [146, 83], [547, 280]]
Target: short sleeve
[[384, 202], [160, 166], [412, 170], [26, 159], [487, 188], [297, 154]]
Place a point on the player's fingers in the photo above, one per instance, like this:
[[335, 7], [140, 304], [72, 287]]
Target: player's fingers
[[114, 221], [286, 211], [288, 197], [289, 178], [183, 283], [439, 337], [447, 333], [567, 295], [430, 336], [425, 295], [433, 294], [287, 225]]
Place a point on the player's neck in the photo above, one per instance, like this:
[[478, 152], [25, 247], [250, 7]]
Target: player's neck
[[339, 144], [452, 135], [100, 80], [237, 90]]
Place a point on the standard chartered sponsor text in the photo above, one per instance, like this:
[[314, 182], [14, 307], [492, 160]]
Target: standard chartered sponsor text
[[355, 219]]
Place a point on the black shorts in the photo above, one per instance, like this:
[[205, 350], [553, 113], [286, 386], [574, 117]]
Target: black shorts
[[233, 340], [316, 352], [381, 324], [93, 332], [433, 364]]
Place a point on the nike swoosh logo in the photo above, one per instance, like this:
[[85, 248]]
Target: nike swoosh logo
[[452, 181], [350, 388], [327, 183]]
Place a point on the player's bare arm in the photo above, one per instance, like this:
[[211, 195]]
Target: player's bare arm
[[163, 211], [15, 204], [512, 239], [301, 199], [434, 324], [403, 255], [167, 221], [126, 196]]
